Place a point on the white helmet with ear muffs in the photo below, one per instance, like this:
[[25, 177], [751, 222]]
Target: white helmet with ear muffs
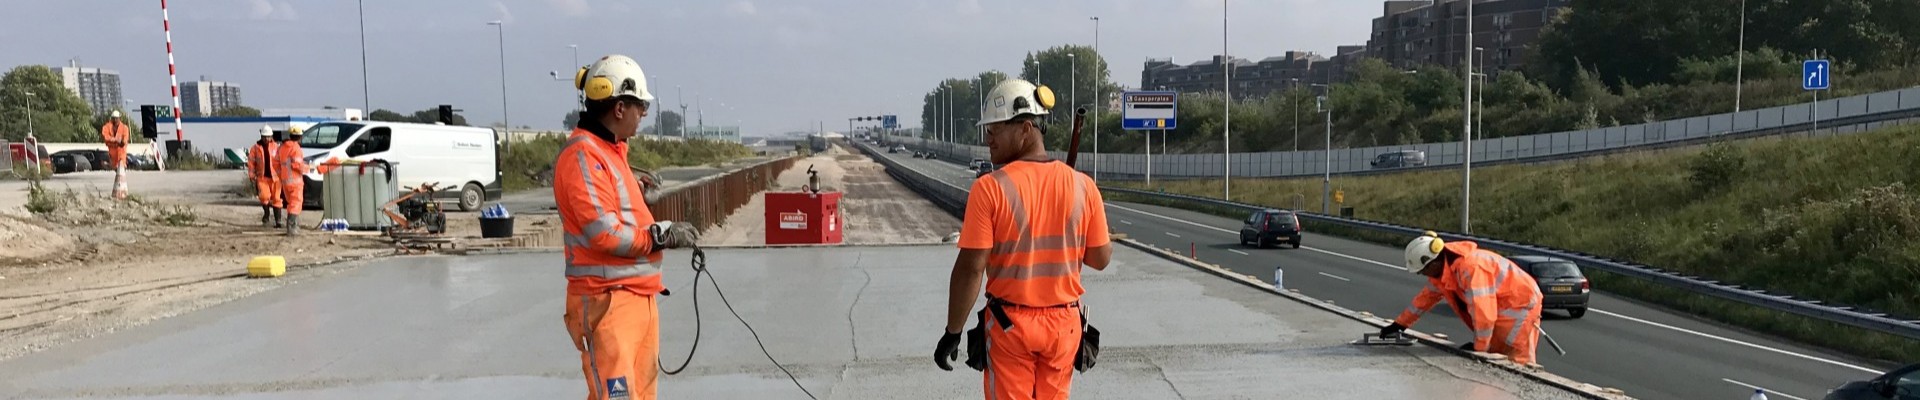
[[1014, 98], [612, 76], [1422, 250]]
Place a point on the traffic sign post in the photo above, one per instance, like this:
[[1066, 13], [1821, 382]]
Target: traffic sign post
[[1150, 111], [1815, 76]]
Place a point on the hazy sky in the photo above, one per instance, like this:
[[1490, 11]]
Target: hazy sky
[[775, 65]]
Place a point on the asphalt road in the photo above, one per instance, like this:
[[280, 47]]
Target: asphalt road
[[1650, 352]]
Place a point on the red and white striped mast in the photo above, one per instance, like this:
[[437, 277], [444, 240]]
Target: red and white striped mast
[[160, 151]]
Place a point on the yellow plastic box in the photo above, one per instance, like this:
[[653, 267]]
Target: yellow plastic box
[[267, 267]]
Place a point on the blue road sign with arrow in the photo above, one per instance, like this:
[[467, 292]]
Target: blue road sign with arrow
[[1816, 75]]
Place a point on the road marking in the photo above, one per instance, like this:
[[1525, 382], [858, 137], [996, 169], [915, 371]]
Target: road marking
[[1239, 252], [1126, 222], [1761, 388], [1171, 234], [1335, 277], [1596, 310]]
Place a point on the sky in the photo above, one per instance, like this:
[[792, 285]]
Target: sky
[[768, 66]]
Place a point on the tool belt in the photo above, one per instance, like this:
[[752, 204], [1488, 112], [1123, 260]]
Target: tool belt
[[1083, 358]]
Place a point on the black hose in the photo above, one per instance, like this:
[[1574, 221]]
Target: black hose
[[700, 268]]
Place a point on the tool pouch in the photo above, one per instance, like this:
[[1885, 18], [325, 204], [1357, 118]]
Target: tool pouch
[[1089, 351], [977, 344]]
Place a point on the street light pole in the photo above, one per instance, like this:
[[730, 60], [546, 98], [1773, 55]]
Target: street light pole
[[502, 32], [1466, 142], [1326, 177], [366, 99], [1226, 68], [1295, 100], [30, 115], [1097, 100], [1740, 58], [576, 54]]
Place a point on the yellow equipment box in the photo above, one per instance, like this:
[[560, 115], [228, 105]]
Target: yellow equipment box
[[267, 267]]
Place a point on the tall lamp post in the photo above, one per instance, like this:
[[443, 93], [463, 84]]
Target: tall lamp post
[[1226, 74], [1326, 177], [1740, 58], [501, 29], [30, 115], [1098, 61], [366, 98], [1466, 142]]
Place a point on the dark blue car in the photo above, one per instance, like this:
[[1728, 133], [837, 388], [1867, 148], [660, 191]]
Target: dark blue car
[[1901, 384]]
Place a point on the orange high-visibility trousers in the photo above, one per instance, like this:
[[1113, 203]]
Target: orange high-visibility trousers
[[618, 335], [294, 195], [1034, 359], [1517, 337], [117, 157], [269, 192]]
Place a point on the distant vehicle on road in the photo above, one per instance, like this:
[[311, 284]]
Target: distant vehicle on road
[[975, 164], [897, 149], [461, 159], [1900, 384], [1268, 227], [1562, 285], [1400, 159], [72, 161], [980, 167]]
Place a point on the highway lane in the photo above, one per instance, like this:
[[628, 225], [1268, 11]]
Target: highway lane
[[1649, 352]]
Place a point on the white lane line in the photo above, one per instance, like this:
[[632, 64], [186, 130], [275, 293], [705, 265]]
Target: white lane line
[[1171, 234], [1596, 310], [1776, 392], [1126, 222], [1239, 252], [1335, 277]]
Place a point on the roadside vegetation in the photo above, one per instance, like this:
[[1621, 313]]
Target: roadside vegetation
[[1828, 218], [528, 164]]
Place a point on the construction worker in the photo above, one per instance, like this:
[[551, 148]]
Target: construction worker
[[260, 168], [1497, 299], [291, 168], [1028, 228], [613, 246], [115, 134]]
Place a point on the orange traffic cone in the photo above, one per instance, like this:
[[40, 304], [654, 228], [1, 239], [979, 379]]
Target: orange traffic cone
[[120, 184]]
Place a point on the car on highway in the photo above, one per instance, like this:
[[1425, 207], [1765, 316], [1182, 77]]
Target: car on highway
[[1899, 384], [1400, 159], [1562, 285], [72, 161], [980, 167], [1268, 227], [896, 149], [975, 164]]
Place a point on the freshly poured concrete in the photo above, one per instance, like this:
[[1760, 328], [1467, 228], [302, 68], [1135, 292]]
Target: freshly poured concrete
[[851, 322]]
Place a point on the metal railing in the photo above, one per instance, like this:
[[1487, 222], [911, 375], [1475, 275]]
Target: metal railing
[[1759, 298], [708, 201]]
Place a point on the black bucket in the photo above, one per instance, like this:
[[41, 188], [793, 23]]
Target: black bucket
[[496, 227]]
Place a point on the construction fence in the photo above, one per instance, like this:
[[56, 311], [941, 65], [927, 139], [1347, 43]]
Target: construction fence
[[708, 201]]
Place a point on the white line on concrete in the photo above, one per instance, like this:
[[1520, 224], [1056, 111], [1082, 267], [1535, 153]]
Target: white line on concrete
[[1126, 222], [1171, 234], [1776, 392], [1335, 277], [1239, 252], [1596, 310]]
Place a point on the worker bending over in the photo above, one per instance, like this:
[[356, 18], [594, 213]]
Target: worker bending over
[[613, 245], [1497, 299], [1028, 228], [260, 169], [291, 167]]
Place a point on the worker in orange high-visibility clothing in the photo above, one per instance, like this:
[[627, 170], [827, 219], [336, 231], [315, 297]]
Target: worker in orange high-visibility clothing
[[613, 246], [260, 169], [115, 134], [1029, 227], [291, 167], [1497, 299]]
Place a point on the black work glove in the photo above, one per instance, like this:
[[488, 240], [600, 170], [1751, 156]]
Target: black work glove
[[947, 351], [1468, 346], [1392, 330]]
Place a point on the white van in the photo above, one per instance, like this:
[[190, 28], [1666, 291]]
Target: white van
[[462, 159]]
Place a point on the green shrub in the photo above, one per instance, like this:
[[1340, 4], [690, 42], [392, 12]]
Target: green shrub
[[1715, 168], [41, 200]]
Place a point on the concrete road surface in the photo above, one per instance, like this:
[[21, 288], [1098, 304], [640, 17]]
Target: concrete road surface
[[850, 322], [1650, 352]]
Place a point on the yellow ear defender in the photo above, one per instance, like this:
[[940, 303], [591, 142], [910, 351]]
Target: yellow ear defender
[[595, 88], [580, 78], [1044, 95], [1436, 245]]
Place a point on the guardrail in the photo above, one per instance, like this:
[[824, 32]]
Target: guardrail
[[707, 201], [1759, 298], [946, 195]]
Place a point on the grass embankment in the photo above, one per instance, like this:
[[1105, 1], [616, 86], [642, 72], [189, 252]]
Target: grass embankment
[[1833, 219], [523, 162]]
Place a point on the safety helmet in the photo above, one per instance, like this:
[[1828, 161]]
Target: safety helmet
[[1422, 250], [293, 130], [612, 76], [266, 131], [1014, 98], [116, 113]]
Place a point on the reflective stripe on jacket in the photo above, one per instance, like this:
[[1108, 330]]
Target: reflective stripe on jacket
[[1482, 287], [289, 164], [260, 164], [1037, 219], [605, 217]]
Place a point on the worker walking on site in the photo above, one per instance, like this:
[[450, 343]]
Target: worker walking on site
[[1029, 227], [1497, 299], [291, 167], [614, 248], [115, 135], [260, 169]]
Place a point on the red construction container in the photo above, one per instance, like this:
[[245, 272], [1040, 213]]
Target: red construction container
[[804, 218]]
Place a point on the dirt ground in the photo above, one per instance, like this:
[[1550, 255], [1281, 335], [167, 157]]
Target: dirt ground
[[878, 210]]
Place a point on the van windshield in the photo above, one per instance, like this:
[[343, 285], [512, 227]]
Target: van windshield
[[327, 135]]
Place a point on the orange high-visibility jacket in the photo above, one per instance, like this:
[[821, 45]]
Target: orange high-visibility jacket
[[260, 162], [290, 164], [605, 216], [1482, 287], [1038, 219], [114, 134]]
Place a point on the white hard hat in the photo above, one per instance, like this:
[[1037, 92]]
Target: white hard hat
[[1422, 250], [266, 131], [116, 113], [1013, 98], [611, 76]]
